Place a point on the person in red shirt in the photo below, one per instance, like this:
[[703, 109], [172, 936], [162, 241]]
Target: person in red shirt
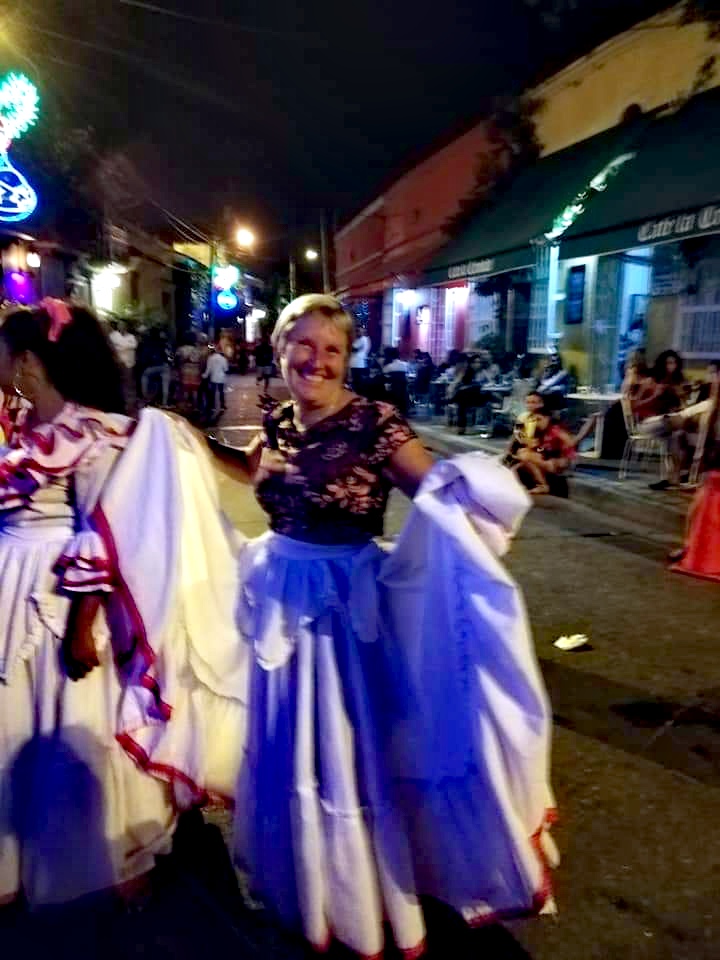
[[549, 452]]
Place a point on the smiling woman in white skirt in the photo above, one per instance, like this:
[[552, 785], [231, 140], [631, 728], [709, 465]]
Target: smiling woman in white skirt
[[398, 731], [87, 601]]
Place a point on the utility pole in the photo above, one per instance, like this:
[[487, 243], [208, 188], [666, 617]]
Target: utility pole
[[324, 253], [211, 303], [292, 276]]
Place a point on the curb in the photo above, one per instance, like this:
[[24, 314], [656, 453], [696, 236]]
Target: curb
[[605, 494]]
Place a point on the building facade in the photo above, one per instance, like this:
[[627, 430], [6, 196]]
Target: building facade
[[382, 252], [607, 244]]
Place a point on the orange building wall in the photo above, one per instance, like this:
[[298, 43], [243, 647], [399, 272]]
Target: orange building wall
[[408, 221]]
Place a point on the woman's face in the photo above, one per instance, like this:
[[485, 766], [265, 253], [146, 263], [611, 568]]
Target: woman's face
[[671, 366], [314, 360], [8, 367]]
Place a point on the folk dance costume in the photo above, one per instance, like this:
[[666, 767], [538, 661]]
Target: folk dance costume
[[93, 502], [398, 738]]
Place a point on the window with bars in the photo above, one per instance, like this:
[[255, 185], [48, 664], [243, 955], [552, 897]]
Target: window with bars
[[697, 334], [537, 328]]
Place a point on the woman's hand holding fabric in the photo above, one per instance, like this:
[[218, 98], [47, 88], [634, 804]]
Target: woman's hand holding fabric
[[272, 463]]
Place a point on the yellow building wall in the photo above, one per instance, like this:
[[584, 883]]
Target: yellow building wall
[[574, 342], [652, 64], [661, 320]]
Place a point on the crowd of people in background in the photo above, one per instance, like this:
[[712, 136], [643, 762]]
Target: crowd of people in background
[[191, 377], [466, 388]]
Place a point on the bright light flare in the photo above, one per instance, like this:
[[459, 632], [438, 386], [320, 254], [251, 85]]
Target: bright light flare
[[245, 238]]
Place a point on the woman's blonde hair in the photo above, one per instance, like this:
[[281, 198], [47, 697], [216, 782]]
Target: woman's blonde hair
[[321, 303]]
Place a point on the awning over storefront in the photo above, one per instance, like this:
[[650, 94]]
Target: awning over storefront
[[669, 191], [499, 237]]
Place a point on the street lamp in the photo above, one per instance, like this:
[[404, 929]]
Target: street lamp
[[245, 238], [311, 254]]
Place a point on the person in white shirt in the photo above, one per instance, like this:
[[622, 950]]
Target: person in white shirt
[[216, 374], [125, 344], [393, 362], [395, 372], [360, 352]]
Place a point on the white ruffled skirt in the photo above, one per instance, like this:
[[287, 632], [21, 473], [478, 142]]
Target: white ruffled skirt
[[337, 829], [76, 814]]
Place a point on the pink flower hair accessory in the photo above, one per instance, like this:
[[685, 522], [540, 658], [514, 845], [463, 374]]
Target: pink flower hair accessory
[[59, 314]]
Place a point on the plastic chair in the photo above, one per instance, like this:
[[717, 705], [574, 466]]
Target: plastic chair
[[640, 444]]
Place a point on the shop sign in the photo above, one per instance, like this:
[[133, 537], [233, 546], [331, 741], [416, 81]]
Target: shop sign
[[681, 225], [472, 269]]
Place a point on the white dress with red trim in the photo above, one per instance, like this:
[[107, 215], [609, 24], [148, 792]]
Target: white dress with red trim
[[183, 667], [399, 730], [76, 814]]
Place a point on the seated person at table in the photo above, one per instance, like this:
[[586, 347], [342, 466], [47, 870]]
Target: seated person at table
[[423, 376], [639, 388], [669, 388], [396, 386], [393, 363], [447, 367], [468, 389], [554, 383], [682, 430]]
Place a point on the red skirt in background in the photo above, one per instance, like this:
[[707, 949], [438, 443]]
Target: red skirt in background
[[702, 557]]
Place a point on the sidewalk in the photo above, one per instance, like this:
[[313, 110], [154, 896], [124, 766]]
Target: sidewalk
[[593, 483]]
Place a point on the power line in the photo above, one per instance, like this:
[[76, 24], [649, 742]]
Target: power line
[[146, 64], [208, 21]]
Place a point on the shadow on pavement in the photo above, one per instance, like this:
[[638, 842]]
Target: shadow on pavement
[[194, 908], [684, 737]]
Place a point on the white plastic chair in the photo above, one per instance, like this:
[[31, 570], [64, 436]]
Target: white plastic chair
[[641, 444]]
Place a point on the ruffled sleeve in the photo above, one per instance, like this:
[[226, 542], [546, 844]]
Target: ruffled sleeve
[[43, 454], [85, 565], [55, 450]]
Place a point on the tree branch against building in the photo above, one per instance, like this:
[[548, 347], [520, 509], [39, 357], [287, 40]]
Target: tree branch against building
[[512, 145], [704, 11]]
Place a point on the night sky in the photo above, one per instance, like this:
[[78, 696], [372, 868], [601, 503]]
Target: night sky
[[275, 108]]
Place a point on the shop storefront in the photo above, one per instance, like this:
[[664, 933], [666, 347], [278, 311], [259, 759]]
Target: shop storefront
[[650, 248], [508, 255]]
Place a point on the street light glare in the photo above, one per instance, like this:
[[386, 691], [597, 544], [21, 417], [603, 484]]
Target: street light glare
[[311, 254], [245, 238]]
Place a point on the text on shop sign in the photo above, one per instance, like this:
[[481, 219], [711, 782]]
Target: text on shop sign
[[669, 227]]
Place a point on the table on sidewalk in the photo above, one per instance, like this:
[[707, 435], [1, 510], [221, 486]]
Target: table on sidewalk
[[601, 402]]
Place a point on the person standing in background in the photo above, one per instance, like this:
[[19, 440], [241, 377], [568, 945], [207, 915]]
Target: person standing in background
[[359, 354], [189, 358], [158, 365], [264, 362], [125, 345], [216, 374]]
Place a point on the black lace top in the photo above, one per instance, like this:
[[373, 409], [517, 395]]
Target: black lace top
[[339, 493]]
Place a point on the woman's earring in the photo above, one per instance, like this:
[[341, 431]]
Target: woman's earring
[[17, 387]]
